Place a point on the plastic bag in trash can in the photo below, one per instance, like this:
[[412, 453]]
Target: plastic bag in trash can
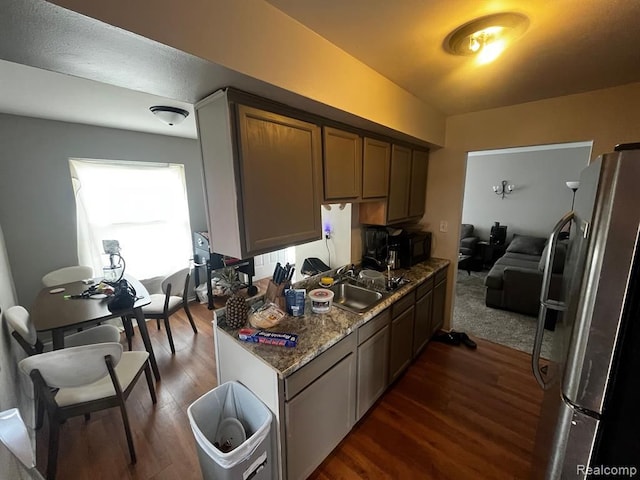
[[231, 399]]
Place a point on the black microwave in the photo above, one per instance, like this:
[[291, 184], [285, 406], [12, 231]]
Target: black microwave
[[415, 247]]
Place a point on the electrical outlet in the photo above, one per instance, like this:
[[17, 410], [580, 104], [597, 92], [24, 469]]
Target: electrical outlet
[[444, 226], [327, 231]]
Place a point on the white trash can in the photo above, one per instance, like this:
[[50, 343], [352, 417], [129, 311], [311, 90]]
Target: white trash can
[[214, 418]]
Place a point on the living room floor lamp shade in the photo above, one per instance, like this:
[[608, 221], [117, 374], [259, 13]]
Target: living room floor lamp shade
[[574, 187]]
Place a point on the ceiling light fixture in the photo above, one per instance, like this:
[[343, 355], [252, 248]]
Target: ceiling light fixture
[[486, 37], [169, 115]]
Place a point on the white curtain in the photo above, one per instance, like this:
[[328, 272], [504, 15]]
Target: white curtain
[[142, 205]]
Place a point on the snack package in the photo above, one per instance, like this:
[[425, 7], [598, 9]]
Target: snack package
[[266, 317]]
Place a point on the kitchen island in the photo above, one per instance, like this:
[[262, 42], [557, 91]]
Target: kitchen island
[[342, 363]]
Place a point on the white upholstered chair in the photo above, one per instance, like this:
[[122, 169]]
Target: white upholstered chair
[[67, 275], [25, 334], [165, 304], [80, 380]]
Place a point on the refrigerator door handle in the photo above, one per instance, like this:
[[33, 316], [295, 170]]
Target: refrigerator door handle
[[545, 302]]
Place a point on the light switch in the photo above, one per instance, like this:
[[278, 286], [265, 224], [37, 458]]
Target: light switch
[[444, 226]]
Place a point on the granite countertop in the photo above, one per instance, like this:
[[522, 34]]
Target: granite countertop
[[318, 332]]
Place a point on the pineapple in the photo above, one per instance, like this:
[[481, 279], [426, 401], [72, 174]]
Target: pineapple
[[237, 309]]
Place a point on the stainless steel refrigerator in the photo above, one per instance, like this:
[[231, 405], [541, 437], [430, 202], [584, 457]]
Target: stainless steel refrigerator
[[590, 418]]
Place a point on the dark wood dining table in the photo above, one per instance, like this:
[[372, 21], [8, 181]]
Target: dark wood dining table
[[56, 313]]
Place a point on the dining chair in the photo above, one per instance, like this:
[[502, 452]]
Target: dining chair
[[23, 331], [163, 305], [67, 275], [88, 378], [14, 436]]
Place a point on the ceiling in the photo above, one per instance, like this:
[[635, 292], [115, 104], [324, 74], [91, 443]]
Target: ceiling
[[571, 46]]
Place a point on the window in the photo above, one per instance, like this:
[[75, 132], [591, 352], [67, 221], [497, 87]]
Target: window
[[142, 205]]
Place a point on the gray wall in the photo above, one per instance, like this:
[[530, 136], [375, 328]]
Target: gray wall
[[37, 207], [540, 196], [13, 385]]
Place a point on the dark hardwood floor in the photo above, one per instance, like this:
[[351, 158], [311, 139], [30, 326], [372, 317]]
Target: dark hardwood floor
[[455, 414]]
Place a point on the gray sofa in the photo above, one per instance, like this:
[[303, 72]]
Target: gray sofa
[[515, 280]]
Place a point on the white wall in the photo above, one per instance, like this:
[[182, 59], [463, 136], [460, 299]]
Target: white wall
[[540, 196], [338, 247]]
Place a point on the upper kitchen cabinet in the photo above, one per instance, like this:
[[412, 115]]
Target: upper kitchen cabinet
[[406, 189], [418, 191], [262, 176], [375, 169], [399, 183], [342, 165]]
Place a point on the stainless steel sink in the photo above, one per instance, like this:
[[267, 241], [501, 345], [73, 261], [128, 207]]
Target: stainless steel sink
[[354, 298]]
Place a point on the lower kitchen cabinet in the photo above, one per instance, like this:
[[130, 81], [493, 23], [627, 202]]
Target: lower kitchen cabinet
[[317, 405], [439, 298], [400, 351], [423, 314], [373, 361], [319, 417]]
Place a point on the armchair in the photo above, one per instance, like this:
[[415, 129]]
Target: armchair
[[468, 240]]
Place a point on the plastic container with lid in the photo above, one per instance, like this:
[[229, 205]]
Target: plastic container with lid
[[321, 300], [372, 278]]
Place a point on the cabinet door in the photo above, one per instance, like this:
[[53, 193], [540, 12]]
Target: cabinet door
[[375, 168], [373, 370], [401, 343], [439, 297], [399, 182], [419, 167], [280, 167], [422, 322], [319, 417], [342, 165]]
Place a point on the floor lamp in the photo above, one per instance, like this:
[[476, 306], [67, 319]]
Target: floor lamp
[[574, 187]]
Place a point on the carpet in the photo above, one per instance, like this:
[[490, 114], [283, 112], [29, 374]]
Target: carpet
[[473, 317]]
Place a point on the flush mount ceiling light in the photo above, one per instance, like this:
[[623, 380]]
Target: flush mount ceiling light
[[486, 37], [169, 115]]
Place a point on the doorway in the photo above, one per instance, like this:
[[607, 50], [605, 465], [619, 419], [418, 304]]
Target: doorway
[[523, 189]]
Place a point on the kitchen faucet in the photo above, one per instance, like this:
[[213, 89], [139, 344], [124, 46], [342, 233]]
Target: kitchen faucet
[[348, 270]]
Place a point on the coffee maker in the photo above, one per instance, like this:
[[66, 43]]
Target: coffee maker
[[374, 251], [381, 245]]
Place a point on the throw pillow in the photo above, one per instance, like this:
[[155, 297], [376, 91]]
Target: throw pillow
[[558, 259], [527, 245]]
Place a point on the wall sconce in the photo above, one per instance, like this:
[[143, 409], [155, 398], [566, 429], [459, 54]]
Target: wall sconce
[[503, 189]]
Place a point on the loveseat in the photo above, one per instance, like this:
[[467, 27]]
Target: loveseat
[[515, 280]]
